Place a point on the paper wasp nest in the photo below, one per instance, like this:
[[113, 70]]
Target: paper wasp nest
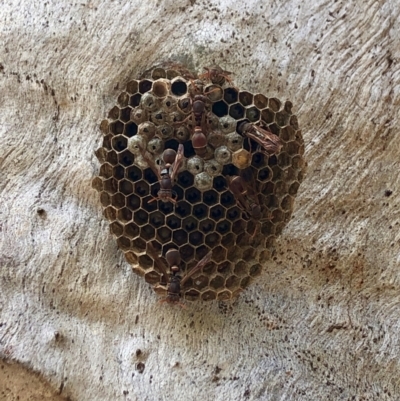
[[229, 194]]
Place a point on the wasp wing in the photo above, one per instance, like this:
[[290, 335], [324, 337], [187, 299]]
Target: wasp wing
[[160, 264], [196, 268], [178, 162]]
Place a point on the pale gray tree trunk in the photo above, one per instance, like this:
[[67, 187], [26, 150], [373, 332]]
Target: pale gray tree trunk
[[320, 323]]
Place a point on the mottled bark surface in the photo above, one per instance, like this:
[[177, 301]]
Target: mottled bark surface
[[322, 320]]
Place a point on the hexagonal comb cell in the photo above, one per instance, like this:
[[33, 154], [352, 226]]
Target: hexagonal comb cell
[[197, 179]]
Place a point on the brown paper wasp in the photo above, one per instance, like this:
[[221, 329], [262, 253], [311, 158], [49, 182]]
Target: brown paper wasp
[[166, 174], [216, 75], [173, 281], [268, 142], [245, 191]]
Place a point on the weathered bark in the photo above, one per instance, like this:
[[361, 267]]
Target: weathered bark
[[320, 323]]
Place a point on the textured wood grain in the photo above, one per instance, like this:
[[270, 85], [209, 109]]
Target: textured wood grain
[[322, 320]]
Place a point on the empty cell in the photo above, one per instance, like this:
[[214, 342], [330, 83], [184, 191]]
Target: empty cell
[[145, 85], [294, 187], [180, 237], [105, 199], [245, 98], [111, 185], [173, 222], [264, 174], [238, 227], [260, 101], [219, 183], [125, 114], [135, 99], [236, 111], [131, 257], [224, 267], [132, 86], [158, 73], [245, 282], [252, 114], [113, 114], [161, 87], [97, 184], [217, 282], [193, 195], [125, 187], [201, 282], [187, 252], [107, 141], [166, 207], [112, 157], [104, 127], [227, 199], [183, 209], [210, 198], [179, 87], [212, 239], [206, 226], [126, 158], [147, 232], [280, 188], [156, 219], [131, 129], [219, 254], [232, 282], [117, 127], [196, 238], [217, 212], [255, 270], [240, 269], [228, 240], [230, 95], [208, 295], [274, 104], [282, 118], [164, 234], [294, 122], [110, 213], [118, 172], [268, 116], [131, 230], [233, 213], [133, 173], [258, 160], [141, 217], [124, 243], [106, 170], [118, 200], [152, 277], [200, 211], [142, 188], [190, 223], [224, 227], [293, 148], [220, 108]]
